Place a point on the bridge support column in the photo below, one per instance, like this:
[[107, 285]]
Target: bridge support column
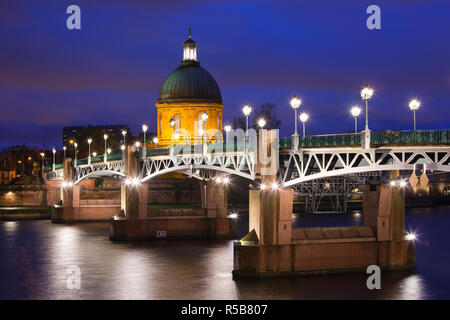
[[65, 211], [214, 200], [384, 212], [67, 191], [266, 249], [132, 193]]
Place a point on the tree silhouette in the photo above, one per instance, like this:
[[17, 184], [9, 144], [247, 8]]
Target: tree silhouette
[[266, 111]]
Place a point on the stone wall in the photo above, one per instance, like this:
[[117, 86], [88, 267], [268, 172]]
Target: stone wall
[[22, 198]]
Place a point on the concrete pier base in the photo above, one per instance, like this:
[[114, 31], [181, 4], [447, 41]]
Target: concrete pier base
[[84, 214], [193, 227], [272, 248], [321, 257]]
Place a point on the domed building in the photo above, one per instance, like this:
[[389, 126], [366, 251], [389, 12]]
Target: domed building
[[185, 96]]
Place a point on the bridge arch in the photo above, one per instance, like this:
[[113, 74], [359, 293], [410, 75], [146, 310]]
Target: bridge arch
[[197, 167], [98, 174], [346, 171]]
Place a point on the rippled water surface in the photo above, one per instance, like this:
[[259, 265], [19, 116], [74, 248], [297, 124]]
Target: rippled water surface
[[35, 256]]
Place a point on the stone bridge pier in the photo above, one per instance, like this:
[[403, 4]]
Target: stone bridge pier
[[137, 222], [274, 248], [73, 209]]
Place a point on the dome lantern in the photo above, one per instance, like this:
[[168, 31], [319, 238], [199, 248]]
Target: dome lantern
[[189, 49]]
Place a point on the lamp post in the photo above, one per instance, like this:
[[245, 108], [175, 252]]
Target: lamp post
[[172, 124], [303, 118], [89, 150], [246, 110], [295, 104], [64, 150], [414, 105], [355, 111], [155, 141], [105, 156], [124, 134], [366, 95], [227, 129], [144, 149], [75, 145], [54, 155], [204, 118], [42, 164], [122, 147]]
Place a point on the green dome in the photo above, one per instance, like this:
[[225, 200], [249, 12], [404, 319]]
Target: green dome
[[190, 83]]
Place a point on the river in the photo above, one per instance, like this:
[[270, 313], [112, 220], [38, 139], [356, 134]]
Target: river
[[35, 257]]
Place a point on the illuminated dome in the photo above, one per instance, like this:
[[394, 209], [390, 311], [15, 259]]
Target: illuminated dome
[[190, 82]]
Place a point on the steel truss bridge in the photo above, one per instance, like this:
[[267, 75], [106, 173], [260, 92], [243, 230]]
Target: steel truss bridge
[[316, 157]]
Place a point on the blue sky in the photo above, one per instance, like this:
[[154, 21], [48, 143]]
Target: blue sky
[[110, 71]]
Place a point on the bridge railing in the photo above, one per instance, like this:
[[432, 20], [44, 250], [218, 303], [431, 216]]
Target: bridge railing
[[332, 140], [376, 138], [410, 137]]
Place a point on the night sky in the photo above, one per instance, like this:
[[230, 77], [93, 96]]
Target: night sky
[[110, 71]]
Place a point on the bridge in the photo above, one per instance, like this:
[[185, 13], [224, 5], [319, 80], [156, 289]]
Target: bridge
[[315, 157], [277, 166]]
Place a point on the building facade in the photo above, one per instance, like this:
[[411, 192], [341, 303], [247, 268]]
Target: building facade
[[189, 105], [20, 162]]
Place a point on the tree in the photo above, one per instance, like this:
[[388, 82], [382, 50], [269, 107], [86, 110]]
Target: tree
[[266, 111], [239, 122]]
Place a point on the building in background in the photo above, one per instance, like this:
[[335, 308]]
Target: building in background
[[72, 133], [186, 94], [20, 164]]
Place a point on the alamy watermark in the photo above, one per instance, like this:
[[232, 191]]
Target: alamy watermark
[[73, 277]]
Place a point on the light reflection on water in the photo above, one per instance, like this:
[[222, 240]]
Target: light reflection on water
[[35, 255]]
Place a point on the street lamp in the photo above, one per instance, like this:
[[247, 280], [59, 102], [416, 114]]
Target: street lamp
[[105, 136], [54, 153], [137, 144], [414, 105], [144, 149], [172, 124], [246, 110], [261, 123], [43, 157], [303, 118], [355, 111], [295, 104], [155, 141], [204, 118], [89, 150], [64, 148], [75, 145], [366, 95], [94, 154], [124, 134]]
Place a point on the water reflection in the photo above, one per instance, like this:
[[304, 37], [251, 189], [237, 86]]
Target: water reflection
[[412, 288], [35, 255]]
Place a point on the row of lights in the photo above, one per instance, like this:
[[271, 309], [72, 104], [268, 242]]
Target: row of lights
[[400, 183], [224, 180]]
